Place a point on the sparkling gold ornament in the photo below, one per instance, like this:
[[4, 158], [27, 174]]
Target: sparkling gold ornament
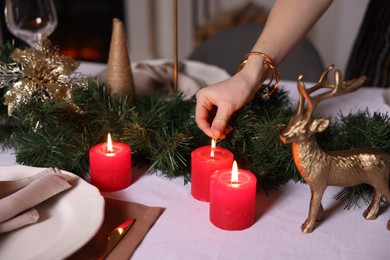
[[45, 74], [321, 168]]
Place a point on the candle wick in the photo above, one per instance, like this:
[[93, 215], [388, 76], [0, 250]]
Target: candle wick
[[110, 150], [212, 154], [235, 185]]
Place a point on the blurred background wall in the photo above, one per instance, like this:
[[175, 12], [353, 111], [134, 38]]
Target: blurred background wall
[[333, 35], [84, 27]]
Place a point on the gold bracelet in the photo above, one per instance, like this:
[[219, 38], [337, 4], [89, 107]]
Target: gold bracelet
[[267, 61]]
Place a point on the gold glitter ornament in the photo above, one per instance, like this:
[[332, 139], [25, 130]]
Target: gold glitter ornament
[[119, 76], [321, 168], [45, 75]]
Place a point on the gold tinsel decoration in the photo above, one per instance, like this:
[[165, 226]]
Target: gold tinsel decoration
[[45, 74]]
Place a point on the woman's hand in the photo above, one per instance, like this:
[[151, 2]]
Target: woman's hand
[[226, 97]]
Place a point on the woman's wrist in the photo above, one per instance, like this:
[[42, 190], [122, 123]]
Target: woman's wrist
[[254, 68], [254, 71]]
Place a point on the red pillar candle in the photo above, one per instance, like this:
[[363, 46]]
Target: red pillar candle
[[232, 198], [204, 161], [110, 165]]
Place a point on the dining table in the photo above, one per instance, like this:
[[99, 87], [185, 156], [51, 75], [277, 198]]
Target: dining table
[[184, 230]]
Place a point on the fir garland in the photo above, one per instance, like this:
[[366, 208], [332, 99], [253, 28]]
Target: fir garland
[[162, 132]]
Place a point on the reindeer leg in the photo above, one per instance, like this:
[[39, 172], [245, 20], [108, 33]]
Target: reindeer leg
[[373, 209], [383, 188], [315, 206], [320, 212]]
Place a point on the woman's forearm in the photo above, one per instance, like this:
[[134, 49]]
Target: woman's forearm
[[288, 22]]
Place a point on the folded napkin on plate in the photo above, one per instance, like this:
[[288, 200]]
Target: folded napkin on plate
[[116, 212], [18, 197], [159, 79]]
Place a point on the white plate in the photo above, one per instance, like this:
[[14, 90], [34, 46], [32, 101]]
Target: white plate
[[211, 74], [66, 223]]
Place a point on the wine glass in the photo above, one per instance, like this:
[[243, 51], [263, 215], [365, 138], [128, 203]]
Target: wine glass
[[31, 20]]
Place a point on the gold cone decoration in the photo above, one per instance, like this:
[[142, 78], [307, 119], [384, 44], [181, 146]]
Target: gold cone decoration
[[119, 77]]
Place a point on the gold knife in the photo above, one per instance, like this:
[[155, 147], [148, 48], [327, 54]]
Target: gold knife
[[114, 237]]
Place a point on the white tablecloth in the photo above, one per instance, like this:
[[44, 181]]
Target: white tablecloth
[[184, 231]]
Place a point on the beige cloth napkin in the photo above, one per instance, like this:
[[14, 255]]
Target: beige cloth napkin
[[28, 217], [8, 187], [18, 197], [116, 212], [159, 79]]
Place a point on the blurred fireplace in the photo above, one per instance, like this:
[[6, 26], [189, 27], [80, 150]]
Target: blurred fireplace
[[84, 27]]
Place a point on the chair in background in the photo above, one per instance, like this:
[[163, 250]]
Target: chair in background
[[226, 48]]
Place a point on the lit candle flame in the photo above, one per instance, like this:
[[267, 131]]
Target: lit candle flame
[[109, 144], [212, 148], [234, 179]]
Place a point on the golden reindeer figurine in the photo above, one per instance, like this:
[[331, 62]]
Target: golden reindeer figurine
[[321, 168]]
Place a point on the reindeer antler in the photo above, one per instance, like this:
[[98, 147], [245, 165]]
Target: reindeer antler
[[336, 89]]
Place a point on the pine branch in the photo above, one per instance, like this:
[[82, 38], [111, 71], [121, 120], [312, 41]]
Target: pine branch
[[162, 132]]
